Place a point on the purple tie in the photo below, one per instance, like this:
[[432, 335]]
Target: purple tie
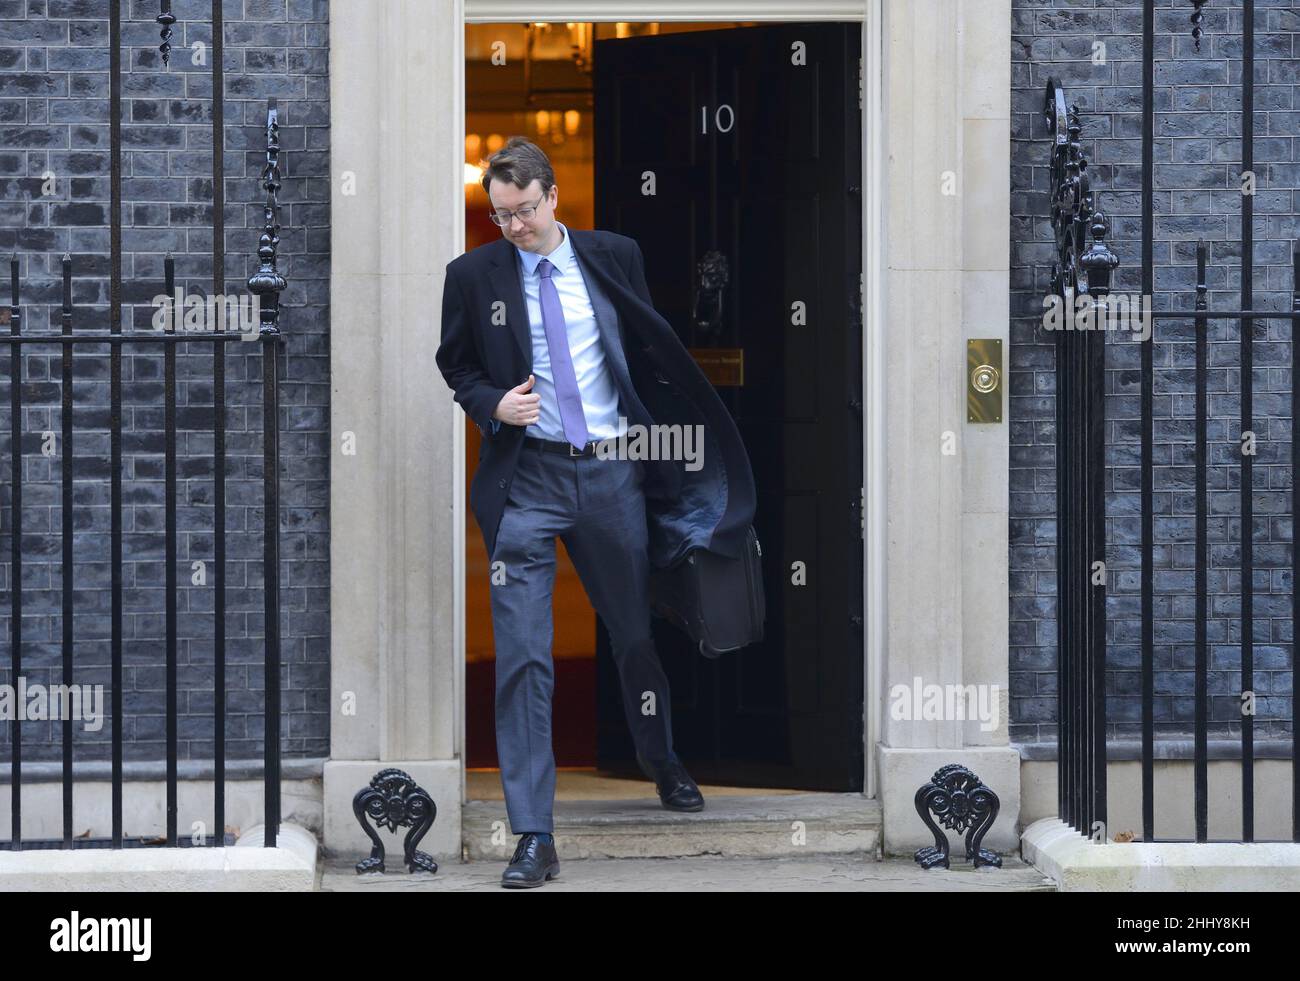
[[557, 342]]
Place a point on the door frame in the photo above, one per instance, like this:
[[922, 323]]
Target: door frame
[[870, 14]]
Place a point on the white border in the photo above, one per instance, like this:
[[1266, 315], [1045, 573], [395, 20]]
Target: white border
[[870, 13]]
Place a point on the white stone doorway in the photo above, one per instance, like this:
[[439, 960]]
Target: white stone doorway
[[936, 80]]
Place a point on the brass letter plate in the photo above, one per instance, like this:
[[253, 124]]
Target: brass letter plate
[[984, 380], [723, 366]]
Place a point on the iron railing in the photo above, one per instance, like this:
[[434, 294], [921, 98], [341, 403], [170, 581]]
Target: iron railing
[[1084, 269], [1081, 269], [266, 284]]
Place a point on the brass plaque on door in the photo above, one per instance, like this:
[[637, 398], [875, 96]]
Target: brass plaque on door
[[984, 380], [723, 366]]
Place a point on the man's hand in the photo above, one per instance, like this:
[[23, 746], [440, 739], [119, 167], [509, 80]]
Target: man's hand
[[517, 407]]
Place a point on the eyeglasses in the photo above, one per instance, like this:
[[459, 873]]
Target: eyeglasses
[[503, 217]]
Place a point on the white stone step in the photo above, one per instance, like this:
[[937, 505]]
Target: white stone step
[[750, 825]]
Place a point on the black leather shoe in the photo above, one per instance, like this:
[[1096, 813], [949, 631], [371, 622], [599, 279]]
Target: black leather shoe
[[677, 791], [533, 863]]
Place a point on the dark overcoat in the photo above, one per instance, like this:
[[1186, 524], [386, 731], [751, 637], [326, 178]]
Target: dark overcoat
[[486, 349]]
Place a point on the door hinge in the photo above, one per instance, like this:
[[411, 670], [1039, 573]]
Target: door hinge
[[859, 83]]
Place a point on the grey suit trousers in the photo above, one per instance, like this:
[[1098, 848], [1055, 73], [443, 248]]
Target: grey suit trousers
[[597, 509]]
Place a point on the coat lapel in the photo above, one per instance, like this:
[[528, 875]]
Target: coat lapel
[[508, 285], [609, 324]]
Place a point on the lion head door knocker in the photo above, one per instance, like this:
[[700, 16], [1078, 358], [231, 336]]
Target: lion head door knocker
[[393, 800], [962, 803], [711, 278]]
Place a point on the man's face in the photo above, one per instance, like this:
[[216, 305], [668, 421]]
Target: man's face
[[533, 233]]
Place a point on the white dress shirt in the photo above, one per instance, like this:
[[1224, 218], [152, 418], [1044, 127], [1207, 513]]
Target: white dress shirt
[[595, 380]]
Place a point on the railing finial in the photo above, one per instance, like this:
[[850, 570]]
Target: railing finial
[[1198, 18], [267, 282], [166, 19], [1099, 261]]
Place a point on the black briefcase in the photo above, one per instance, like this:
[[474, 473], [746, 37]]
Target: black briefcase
[[716, 600]]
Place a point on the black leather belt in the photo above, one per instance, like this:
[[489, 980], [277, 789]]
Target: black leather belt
[[565, 449]]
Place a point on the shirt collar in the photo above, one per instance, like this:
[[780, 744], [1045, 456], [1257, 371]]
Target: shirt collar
[[559, 258]]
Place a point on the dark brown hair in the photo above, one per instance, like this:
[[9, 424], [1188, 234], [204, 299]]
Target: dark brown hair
[[520, 162]]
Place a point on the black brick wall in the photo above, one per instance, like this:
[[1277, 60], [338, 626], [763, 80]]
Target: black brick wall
[[1197, 167], [54, 118]]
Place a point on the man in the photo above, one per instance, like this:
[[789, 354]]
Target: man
[[551, 344]]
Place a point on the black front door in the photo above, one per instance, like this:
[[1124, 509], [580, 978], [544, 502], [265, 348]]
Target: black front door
[[741, 150]]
